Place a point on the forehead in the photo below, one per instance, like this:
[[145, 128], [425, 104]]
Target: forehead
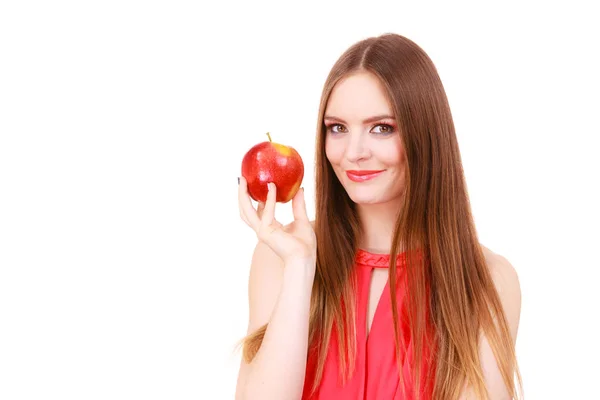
[[358, 96]]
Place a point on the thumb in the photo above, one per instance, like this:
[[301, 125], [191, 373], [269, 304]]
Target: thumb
[[299, 206]]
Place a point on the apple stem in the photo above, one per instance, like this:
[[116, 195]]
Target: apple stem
[[269, 136]]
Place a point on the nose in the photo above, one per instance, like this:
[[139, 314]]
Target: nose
[[357, 149]]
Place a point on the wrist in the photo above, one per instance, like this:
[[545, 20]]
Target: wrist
[[305, 263], [300, 269]]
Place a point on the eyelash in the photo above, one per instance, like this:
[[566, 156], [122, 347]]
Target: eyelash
[[391, 129]]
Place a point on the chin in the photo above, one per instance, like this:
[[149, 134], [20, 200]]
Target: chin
[[365, 195], [372, 194]]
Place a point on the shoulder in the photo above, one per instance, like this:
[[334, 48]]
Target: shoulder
[[507, 284], [503, 272]]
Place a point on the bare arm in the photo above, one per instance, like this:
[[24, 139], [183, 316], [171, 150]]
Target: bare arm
[[508, 287], [280, 286], [278, 369]]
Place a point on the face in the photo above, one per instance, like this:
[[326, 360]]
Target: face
[[362, 141]]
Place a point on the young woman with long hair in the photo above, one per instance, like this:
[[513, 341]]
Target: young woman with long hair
[[388, 293]]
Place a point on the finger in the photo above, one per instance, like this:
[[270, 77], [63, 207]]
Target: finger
[[269, 212], [242, 200], [260, 209], [299, 206], [245, 219], [247, 210]]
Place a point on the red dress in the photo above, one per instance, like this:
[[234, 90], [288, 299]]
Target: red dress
[[375, 375]]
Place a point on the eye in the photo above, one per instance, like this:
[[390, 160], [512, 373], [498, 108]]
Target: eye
[[385, 129], [336, 128]]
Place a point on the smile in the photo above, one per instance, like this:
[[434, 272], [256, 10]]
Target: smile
[[364, 175]]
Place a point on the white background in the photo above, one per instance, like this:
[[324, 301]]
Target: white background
[[123, 261]]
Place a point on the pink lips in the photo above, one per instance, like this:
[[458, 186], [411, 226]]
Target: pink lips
[[363, 175]]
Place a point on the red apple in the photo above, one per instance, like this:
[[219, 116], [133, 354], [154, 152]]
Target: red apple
[[272, 162]]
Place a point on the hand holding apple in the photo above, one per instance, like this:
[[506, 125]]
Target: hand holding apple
[[282, 168], [272, 162]]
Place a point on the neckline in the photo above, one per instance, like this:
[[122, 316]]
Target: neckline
[[377, 260]]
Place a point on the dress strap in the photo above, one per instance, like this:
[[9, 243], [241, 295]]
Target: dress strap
[[374, 260]]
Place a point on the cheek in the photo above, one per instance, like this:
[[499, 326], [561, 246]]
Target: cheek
[[334, 150], [393, 155]]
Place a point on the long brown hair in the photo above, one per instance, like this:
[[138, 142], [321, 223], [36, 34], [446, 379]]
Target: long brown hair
[[450, 288]]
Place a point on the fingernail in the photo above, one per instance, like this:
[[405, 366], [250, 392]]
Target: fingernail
[[238, 180], [268, 187]]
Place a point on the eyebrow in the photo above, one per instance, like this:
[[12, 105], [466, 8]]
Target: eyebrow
[[366, 121]]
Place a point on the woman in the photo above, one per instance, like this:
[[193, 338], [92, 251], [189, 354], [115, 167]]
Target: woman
[[388, 293]]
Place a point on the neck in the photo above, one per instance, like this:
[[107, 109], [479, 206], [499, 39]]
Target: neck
[[377, 223]]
